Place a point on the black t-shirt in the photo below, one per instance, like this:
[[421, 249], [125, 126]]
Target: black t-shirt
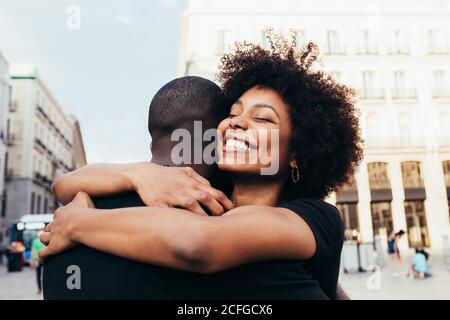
[[327, 226], [105, 276]]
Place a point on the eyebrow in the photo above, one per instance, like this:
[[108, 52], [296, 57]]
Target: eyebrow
[[259, 105]]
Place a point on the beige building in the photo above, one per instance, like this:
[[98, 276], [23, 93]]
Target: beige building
[[79, 154], [43, 142], [397, 55], [5, 105]]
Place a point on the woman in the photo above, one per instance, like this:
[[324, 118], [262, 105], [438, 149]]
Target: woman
[[276, 216]]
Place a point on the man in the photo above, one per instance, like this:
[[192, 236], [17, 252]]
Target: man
[[84, 273], [36, 246]]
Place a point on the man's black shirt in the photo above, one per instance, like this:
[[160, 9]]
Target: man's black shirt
[[105, 276]]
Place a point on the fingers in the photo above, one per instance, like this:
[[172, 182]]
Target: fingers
[[220, 202], [48, 227], [45, 237], [44, 253], [218, 195], [208, 200], [189, 203], [193, 174]]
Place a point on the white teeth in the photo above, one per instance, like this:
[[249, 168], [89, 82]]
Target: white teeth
[[236, 145]]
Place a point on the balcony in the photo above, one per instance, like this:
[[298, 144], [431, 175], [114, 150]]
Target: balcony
[[406, 142], [42, 179], [371, 93], [438, 50], [9, 173], [402, 49], [12, 106], [367, 49], [41, 111], [404, 93], [444, 141], [10, 139], [441, 93], [40, 143], [334, 51]]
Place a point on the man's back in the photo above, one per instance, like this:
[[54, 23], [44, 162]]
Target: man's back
[[105, 276]]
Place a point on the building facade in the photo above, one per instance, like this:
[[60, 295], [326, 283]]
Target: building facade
[[396, 54], [41, 145], [79, 153], [4, 111]]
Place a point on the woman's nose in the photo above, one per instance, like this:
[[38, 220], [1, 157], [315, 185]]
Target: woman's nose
[[239, 122]]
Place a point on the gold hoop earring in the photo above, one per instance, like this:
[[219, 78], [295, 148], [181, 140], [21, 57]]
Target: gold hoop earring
[[295, 174]]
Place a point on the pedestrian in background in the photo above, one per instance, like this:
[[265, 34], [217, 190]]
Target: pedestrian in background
[[393, 250], [36, 246], [420, 267]]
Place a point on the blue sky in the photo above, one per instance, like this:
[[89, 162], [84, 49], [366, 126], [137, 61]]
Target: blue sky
[[105, 73]]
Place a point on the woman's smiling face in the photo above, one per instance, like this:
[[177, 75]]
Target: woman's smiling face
[[255, 138]]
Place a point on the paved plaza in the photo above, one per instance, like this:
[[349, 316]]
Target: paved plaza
[[21, 285], [392, 283]]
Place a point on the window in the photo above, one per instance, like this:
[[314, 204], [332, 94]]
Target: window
[[367, 46], [446, 167], [368, 88], [45, 205], [439, 78], [400, 89], [373, 125], [38, 204], [349, 213], [378, 175], [416, 223], [397, 43], [224, 41], [382, 219], [333, 43], [399, 82], [32, 203], [411, 174], [440, 89], [437, 43]]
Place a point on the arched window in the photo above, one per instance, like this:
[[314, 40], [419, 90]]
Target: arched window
[[378, 175], [446, 167], [411, 174]]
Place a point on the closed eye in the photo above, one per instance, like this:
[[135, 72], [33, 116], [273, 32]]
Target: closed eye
[[263, 120]]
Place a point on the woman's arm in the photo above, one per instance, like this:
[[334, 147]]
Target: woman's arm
[[95, 179], [156, 185], [180, 239]]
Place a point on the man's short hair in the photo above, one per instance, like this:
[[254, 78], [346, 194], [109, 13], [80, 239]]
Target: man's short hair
[[181, 102]]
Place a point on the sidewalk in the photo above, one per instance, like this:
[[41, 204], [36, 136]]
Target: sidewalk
[[22, 285], [18, 285], [399, 287]]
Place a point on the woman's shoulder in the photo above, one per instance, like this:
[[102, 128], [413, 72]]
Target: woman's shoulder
[[319, 214], [313, 204]]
